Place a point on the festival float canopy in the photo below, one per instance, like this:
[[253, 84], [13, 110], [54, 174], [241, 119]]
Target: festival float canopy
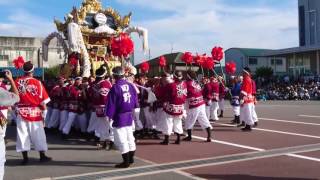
[[92, 36]]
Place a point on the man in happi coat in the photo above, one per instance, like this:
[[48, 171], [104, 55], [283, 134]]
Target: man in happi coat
[[222, 94], [174, 107], [55, 95], [30, 125], [197, 109], [103, 125], [246, 100], [235, 99], [121, 102]]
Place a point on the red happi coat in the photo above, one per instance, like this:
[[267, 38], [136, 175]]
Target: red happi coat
[[176, 96], [215, 90], [99, 92], [76, 99], [160, 92], [222, 92], [207, 93], [64, 98], [33, 96], [55, 96], [246, 90], [195, 96]]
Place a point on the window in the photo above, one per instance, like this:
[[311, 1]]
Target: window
[[278, 62], [4, 57], [253, 61]]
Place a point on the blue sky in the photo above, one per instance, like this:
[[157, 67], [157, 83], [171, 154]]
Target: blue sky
[[181, 25]]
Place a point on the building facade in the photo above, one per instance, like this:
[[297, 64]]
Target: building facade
[[30, 49], [255, 58], [309, 22], [303, 60]]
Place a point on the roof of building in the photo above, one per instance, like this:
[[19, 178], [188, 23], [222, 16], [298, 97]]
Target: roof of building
[[291, 50], [252, 52]]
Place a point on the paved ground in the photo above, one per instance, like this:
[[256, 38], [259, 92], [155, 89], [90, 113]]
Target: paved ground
[[285, 145]]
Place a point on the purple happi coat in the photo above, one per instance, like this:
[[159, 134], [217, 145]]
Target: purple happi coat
[[122, 100]]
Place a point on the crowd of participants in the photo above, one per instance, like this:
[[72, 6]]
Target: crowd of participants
[[116, 111], [168, 105]]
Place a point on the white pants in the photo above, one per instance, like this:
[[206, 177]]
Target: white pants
[[47, 116], [81, 122], [30, 132], [161, 119], [172, 124], [54, 119], [149, 118], [212, 110], [221, 104], [104, 129], [63, 119], [13, 114], [2, 156], [236, 110], [198, 113], [71, 118], [124, 139], [246, 114], [254, 114], [136, 118], [92, 122]]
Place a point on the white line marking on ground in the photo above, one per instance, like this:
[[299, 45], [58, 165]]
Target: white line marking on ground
[[210, 164], [274, 131], [255, 149], [304, 157], [303, 115], [286, 121], [191, 176]]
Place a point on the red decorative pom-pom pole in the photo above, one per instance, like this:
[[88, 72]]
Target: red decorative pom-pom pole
[[162, 62], [122, 46], [187, 58], [18, 62], [231, 67], [144, 67]]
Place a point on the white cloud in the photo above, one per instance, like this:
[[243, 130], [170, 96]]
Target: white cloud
[[23, 23], [187, 25], [197, 26]]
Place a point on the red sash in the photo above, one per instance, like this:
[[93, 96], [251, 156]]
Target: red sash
[[30, 113], [100, 110]]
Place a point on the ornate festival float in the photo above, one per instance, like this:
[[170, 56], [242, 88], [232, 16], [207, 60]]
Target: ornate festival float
[[93, 36]]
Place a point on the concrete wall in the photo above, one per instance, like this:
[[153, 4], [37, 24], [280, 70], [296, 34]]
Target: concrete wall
[[28, 47]]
